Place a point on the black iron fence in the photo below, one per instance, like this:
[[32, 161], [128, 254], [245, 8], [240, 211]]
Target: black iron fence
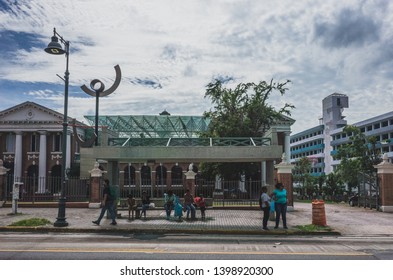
[[222, 193], [48, 189]]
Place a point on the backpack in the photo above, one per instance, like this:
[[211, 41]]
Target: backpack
[[113, 194]]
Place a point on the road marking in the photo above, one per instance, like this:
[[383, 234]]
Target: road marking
[[150, 251]]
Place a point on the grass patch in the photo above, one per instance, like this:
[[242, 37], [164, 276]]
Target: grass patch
[[33, 222], [313, 228]]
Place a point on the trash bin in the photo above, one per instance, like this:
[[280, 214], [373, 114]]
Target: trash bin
[[318, 213]]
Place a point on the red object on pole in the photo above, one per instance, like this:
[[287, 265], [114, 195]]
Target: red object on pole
[[318, 213]]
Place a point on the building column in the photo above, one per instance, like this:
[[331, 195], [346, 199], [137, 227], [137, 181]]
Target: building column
[[385, 176], [18, 157], [3, 186], [68, 150], [42, 163], [287, 146]]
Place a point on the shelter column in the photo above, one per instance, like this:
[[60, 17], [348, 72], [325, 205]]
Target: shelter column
[[263, 173], [385, 176]]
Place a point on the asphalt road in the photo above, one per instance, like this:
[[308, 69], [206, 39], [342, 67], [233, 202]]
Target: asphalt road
[[52, 246]]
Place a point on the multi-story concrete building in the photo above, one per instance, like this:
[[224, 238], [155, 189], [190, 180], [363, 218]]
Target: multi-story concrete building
[[321, 142], [380, 127]]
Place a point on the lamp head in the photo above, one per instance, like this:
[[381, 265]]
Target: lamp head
[[54, 47]]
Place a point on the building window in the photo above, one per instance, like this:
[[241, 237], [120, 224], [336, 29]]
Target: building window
[[10, 143], [57, 143], [376, 126], [34, 143]]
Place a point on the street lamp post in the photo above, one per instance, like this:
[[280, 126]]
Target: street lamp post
[[55, 48]]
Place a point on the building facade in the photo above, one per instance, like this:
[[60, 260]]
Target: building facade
[[320, 143], [31, 144]]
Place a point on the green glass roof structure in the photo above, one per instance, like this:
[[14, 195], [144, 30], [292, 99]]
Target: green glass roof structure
[[149, 126]]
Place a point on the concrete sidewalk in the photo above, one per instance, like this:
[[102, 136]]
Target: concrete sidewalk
[[341, 218]]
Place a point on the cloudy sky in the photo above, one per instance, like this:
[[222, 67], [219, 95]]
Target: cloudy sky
[[169, 50]]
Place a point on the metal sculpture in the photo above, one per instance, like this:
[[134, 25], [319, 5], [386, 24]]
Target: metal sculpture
[[97, 93]]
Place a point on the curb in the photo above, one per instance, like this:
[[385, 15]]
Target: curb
[[168, 231]]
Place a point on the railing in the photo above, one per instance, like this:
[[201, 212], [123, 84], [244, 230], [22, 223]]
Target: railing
[[178, 142], [47, 189], [223, 193]]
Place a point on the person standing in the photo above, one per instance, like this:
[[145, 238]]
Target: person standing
[[201, 203], [145, 203], [280, 201], [189, 204], [131, 206], [107, 204], [264, 203]]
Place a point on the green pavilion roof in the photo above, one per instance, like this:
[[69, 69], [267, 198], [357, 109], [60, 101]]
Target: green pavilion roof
[[160, 126]]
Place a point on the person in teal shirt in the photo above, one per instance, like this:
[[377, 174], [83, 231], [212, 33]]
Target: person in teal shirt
[[280, 199]]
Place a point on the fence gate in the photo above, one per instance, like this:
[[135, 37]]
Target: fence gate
[[368, 191]]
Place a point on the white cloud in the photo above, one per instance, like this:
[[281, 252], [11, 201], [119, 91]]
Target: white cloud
[[169, 50]]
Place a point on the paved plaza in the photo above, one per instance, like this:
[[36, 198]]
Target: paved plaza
[[341, 218]]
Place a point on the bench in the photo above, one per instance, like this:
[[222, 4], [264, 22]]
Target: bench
[[123, 206], [158, 205]]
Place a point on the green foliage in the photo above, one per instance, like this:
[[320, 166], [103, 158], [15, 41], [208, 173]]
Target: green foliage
[[333, 185], [242, 111], [359, 155], [313, 228], [302, 175], [33, 222]]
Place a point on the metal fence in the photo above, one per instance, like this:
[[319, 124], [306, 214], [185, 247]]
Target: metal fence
[[224, 193], [45, 189]]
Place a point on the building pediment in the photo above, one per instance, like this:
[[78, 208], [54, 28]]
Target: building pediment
[[30, 113], [30, 116]]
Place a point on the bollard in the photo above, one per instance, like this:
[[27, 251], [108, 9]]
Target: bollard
[[318, 213], [15, 197]]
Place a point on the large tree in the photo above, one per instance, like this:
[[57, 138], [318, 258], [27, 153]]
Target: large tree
[[242, 111], [357, 156]]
